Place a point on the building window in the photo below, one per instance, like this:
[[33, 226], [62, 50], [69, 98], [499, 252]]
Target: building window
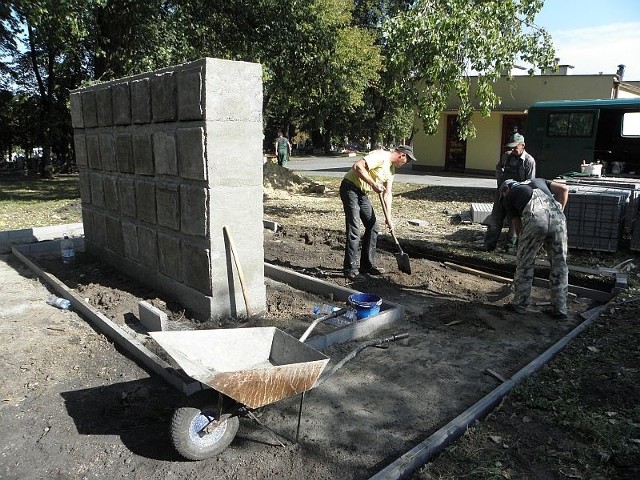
[[570, 124], [631, 124]]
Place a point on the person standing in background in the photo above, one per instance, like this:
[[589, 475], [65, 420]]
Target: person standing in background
[[283, 149], [515, 164]]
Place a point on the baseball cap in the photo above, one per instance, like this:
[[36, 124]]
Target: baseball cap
[[407, 150], [515, 140]]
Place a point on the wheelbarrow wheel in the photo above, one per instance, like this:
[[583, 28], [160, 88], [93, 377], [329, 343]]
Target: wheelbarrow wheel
[[195, 434]]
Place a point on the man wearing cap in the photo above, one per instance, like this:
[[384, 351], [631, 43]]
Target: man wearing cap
[[372, 173], [535, 208], [515, 164]]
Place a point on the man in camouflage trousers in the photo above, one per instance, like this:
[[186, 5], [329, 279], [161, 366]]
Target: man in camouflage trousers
[[535, 208]]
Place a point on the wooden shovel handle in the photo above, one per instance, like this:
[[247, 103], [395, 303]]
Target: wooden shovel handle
[[243, 285]]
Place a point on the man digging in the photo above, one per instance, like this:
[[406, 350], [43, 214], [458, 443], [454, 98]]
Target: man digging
[[372, 173]]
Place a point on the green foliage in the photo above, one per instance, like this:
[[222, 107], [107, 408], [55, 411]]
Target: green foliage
[[437, 45], [361, 68]]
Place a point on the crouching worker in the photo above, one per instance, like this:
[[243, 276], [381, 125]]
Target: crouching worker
[[372, 173], [535, 208]]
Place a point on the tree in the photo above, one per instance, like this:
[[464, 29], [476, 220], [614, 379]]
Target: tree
[[438, 44]]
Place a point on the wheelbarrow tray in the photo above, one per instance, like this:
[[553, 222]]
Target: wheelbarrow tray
[[253, 366]]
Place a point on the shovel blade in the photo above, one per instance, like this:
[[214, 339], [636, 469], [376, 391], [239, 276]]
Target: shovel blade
[[403, 262]]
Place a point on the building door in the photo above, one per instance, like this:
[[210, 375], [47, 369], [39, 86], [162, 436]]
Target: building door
[[456, 149], [512, 124]]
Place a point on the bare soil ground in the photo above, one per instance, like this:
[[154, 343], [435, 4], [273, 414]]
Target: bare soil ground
[[75, 406]]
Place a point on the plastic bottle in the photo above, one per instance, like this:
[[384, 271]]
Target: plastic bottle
[[324, 309], [348, 317], [62, 303], [67, 251]]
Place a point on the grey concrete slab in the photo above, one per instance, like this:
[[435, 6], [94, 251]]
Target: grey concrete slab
[[164, 93], [93, 152], [121, 103], [80, 145], [146, 201], [124, 153], [190, 91], [140, 101], [107, 152], [190, 148], [89, 109], [104, 107], [143, 153], [77, 120], [152, 318]]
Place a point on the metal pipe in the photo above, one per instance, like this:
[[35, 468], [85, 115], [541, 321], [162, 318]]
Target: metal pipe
[[424, 451], [337, 313], [378, 342]]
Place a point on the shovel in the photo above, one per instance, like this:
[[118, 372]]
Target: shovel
[[401, 257]]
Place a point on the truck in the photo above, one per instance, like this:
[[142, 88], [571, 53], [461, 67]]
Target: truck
[[563, 135]]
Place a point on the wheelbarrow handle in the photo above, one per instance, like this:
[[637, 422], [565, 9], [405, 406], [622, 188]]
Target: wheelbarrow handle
[[337, 313]]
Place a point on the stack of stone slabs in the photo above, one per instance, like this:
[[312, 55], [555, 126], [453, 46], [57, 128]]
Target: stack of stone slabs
[[166, 160], [595, 217]]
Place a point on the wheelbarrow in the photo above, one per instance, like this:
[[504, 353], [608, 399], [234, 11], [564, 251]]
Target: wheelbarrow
[[241, 369]]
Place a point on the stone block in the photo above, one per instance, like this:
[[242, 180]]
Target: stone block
[[85, 186], [99, 229], [80, 147], [480, 211], [104, 107], [121, 104], [127, 200], [140, 101], [168, 205], [77, 120], [164, 152], [124, 153], [89, 109], [115, 242], [107, 152], [130, 240], [190, 91], [193, 210], [152, 318], [146, 201], [170, 256], [143, 154], [191, 158], [164, 96], [93, 152], [97, 189], [110, 185], [148, 247], [418, 223], [233, 91], [196, 266]]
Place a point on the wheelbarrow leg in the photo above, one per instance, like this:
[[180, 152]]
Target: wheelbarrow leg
[[273, 433], [299, 416]]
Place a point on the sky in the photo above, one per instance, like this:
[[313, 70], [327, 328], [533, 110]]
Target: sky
[[594, 35]]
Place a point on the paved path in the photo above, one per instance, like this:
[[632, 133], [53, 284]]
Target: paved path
[[338, 166]]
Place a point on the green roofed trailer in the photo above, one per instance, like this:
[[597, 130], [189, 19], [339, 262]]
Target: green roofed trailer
[[562, 135]]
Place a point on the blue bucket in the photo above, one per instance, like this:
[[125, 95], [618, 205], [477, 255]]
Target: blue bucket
[[366, 304]]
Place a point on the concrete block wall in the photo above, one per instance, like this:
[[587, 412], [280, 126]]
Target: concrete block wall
[[167, 159]]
